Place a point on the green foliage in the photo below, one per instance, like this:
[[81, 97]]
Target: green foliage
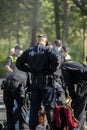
[[5, 51], [16, 25], [2, 70], [76, 49], [82, 5]]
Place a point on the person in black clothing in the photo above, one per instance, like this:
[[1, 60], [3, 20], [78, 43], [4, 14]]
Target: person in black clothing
[[75, 77], [58, 49], [55, 79], [41, 61], [13, 90]]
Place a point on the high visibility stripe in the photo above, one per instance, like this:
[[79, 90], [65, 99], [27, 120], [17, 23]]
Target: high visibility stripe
[[13, 58]]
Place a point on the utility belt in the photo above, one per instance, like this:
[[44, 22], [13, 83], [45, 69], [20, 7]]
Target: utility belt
[[36, 77], [38, 81], [41, 79]]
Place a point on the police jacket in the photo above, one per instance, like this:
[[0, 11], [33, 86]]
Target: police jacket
[[11, 61], [38, 59], [18, 76]]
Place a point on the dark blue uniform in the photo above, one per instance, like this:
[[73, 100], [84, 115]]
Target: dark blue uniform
[[57, 79], [14, 90], [41, 61], [75, 74]]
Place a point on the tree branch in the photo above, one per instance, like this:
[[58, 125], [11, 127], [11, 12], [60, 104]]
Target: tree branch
[[80, 6]]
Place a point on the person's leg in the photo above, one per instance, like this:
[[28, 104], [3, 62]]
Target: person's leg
[[49, 97], [79, 109], [36, 100], [22, 109], [9, 103]]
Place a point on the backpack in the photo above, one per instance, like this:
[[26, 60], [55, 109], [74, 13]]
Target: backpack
[[63, 117]]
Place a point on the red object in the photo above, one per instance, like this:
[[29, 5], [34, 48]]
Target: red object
[[63, 115], [41, 116]]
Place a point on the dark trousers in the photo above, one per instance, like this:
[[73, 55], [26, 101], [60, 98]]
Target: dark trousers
[[47, 95], [9, 96], [69, 83], [79, 106]]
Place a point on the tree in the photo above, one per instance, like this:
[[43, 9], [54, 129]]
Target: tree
[[82, 4], [66, 21], [34, 20], [57, 16]]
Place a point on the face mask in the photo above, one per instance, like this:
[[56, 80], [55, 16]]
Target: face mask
[[20, 53], [59, 48]]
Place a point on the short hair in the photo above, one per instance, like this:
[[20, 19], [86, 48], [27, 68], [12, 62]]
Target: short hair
[[17, 46], [58, 42], [42, 35]]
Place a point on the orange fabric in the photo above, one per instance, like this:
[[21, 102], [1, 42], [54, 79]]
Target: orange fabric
[[41, 116]]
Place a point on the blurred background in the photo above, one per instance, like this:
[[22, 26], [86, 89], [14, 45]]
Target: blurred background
[[22, 20]]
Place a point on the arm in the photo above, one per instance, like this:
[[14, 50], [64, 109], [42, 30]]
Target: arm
[[8, 68], [53, 60], [22, 63], [8, 64]]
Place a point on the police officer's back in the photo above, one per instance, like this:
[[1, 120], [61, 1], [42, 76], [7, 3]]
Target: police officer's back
[[41, 61]]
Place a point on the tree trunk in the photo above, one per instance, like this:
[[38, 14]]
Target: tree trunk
[[84, 40], [66, 21], [17, 33], [9, 48], [34, 21], [57, 21]]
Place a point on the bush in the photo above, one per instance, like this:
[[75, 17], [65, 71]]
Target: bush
[[76, 50], [2, 70]]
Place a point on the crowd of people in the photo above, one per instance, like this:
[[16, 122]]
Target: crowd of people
[[43, 69]]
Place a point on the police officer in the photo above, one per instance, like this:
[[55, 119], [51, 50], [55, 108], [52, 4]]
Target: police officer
[[75, 77], [57, 76], [55, 79], [58, 48], [14, 91], [41, 61], [10, 61]]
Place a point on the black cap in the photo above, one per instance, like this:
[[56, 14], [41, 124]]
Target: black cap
[[42, 36], [58, 42], [18, 47]]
